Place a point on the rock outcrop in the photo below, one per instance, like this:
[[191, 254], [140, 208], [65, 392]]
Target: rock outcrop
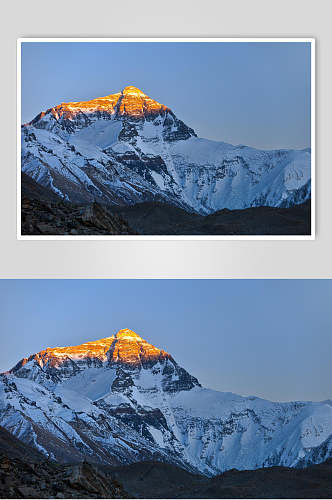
[[26, 473], [25, 479], [44, 213]]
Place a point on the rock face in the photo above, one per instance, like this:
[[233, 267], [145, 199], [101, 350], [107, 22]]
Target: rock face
[[127, 148], [120, 400]]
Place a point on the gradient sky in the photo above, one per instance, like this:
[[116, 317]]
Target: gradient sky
[[269, 338], [256, 94]]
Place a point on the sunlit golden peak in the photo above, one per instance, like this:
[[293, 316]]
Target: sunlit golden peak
[[130, 90], [130, 102], [125, 333], [125, 347]]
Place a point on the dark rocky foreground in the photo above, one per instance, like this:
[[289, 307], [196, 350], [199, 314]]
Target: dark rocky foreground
[[40, 218], [156, 218], [44, 213], [25, 473], [21, 479], [157, 480]]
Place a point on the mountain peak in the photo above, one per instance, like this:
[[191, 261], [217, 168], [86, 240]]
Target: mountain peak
[[125, 351], [131, 90], [125, 333], [125, 347], [131, 102], [130, 108]]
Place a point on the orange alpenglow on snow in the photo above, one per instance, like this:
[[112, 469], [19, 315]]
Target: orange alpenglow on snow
[[131, 102], [125, 347]]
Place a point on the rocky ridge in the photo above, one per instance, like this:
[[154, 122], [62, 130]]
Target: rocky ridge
[[155, 218], [156, 480]]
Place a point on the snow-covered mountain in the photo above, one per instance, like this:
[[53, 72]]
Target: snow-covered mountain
[[120, 400], [127, 148]]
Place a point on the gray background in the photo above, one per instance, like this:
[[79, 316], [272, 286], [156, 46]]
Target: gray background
[[173, 259]]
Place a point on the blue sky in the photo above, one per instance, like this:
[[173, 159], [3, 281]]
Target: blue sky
[[256, 94], [270, 338]]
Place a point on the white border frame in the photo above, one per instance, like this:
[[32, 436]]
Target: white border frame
[[174, 237]]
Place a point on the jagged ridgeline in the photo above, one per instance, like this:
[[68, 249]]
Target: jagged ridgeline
[[127, 148], [120, 400]]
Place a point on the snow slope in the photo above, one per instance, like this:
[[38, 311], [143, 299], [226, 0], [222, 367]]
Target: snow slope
[[127, 148], [120, 400]]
